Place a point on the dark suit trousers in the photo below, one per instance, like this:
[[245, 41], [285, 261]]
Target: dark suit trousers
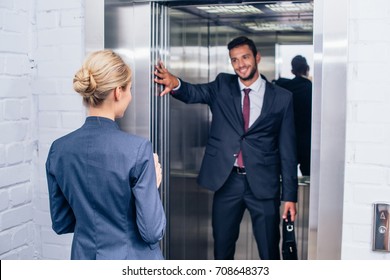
[[229, 205]]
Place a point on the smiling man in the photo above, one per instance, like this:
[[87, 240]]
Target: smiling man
[[251, 146]]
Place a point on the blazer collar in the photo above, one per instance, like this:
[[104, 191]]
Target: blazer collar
[[232, 103], [236, 92], [100, 121], [269, 98]]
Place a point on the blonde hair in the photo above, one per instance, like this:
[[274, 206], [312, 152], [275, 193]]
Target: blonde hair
[[101, 72]]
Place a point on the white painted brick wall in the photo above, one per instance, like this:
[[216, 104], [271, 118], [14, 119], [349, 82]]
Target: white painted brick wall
[[16, 126], [367, 172], [42, 46], [59, 53]]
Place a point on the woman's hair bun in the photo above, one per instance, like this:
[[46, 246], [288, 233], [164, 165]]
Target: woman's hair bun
[[84, 83], [101, 73]]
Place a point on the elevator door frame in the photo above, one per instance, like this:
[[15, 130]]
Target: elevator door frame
[[329, 92]]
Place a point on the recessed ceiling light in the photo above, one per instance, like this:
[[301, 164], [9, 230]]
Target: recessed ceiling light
[[279, 26], [289, 7], [230, 9]]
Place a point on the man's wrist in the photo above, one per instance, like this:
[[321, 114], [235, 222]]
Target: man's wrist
[[178, 85]]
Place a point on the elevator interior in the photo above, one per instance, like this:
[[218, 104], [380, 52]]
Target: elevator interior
[[191, 40], [198, 53]]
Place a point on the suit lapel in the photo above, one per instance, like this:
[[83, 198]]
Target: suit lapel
[[232, 105], [269, 98], [237, 101], [234, 113]]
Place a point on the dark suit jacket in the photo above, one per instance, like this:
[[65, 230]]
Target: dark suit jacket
[[302, 96], [268, 147], [102, 187]]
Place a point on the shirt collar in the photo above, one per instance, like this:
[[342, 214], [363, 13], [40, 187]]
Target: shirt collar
[[256, 86]]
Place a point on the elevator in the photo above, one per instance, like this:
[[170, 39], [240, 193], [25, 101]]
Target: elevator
[[190, 37]]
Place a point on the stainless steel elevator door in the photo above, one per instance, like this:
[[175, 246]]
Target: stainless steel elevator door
[[190, 206], [197, 54], [196, 51], [195, 57]]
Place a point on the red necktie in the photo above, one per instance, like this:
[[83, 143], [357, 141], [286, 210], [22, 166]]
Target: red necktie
[[245, 114]]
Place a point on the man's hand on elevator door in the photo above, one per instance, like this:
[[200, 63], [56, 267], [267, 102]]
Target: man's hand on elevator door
[[165, 78]]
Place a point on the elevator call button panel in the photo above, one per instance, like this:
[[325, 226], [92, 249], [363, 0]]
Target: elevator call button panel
[[381, 225]]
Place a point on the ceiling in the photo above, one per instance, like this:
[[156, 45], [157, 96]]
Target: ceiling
[[279, 21]]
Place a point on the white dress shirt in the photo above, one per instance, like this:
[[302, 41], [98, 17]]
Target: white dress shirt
[[256, 97]]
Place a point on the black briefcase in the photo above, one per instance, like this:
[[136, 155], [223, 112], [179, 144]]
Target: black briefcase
[[289, 245]]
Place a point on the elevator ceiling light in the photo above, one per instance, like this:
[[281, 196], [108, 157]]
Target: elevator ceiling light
[[290, 7], [268, 26], [279, 26], [230, 9]]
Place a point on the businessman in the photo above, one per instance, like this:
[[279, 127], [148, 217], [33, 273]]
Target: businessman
[[301, 88], [250, 158]]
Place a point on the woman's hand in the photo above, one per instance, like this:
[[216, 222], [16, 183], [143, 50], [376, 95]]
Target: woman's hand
[[157, 166]]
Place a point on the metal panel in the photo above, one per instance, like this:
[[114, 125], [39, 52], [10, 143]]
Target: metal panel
[[138, 31], [178, 131], [94, 25], [190, 206], [328, 129], [127, 31], [160, 124], [302, 220]]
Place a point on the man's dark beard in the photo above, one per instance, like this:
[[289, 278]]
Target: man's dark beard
[[251, 75]]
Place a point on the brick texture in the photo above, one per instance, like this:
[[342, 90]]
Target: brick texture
[[367, 169], [42, 45]]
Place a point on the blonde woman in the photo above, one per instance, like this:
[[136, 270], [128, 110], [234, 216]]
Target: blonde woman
[[102, 181]]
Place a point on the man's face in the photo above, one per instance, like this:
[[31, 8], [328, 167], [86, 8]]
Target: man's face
[[245, 63]]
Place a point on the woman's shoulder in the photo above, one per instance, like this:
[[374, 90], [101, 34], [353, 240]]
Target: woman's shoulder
[[126, 136], [130, 142]]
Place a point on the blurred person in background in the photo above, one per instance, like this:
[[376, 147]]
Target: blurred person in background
[[301, 88]]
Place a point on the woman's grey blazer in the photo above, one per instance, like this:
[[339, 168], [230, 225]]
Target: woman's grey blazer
[[102, 187]]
